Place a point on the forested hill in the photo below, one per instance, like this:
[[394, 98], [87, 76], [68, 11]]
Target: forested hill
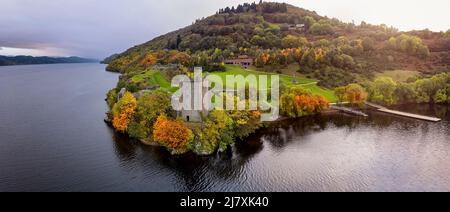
[[28, 60], [278, 35]]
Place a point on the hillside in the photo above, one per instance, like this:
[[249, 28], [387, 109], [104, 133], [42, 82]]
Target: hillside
[[109, 59], [28, 60], [279, 35]]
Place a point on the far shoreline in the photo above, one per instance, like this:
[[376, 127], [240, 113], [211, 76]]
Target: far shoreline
[[35, 64]]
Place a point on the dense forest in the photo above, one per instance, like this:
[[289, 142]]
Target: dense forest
[[28, 60]]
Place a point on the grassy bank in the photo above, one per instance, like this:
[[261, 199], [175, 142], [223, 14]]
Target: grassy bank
[[156, 78], [285, 80]]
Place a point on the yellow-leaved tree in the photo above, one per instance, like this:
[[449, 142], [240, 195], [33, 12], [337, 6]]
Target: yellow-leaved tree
[[123, 112]]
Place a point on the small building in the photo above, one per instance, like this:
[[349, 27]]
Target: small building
[[243, 60]]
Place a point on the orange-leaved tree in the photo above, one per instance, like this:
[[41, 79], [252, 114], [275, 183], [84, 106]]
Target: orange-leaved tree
[[173, 134], [123, 112], [355, 94], [149, 60], [298, 102]]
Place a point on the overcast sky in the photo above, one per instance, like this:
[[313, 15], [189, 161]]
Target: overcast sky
[[99, 28]]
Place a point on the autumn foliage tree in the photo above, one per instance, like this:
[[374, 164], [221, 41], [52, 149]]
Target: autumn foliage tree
[[352, 93], [246, 122], [149, 106], [177, 57], [262, 59], [123, 112], [148, 60], [216, 133], [173, 134], [297, 103]]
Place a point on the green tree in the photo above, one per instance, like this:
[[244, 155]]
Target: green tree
[[412, 45], [321, 28], [382, 91], [111, 98], [149, 107], [405, 93], [224, 124], [291, 41], [348, 62], [258, 40], [368, 44], [392, 43], [215, 134], [427, 88], [309, 21], [339, 92], [443, 95]]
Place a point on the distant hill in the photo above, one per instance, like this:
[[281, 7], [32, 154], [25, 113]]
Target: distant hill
[[109, 59], [28, 60], [279, 35]]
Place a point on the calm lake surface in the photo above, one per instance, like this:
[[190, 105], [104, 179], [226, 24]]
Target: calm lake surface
[[53, 138]]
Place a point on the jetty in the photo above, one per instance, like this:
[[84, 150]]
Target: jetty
[[348, 110], [403, 114]]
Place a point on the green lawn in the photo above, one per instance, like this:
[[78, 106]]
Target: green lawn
[[307, 84], [315, 89], [161, 81], [156, 78], [284, 79], [153, 78]]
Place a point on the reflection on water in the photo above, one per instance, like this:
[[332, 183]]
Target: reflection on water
[[53, 138], [333, 152]]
